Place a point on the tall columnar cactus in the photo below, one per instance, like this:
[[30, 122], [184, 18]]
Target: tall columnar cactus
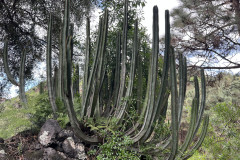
[[154, 109], [97, 70], [51, 93], [21, 83], [21, 78], [75, 86], [55, 82], [41, 88], [87, 58], [60, 69]]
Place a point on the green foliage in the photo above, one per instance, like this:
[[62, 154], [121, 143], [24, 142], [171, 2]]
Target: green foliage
[[31, 117], [62, 113], [12, 110], [20, 148], [198, 156], [116, 147], [77, 103], [161, 130], [103, 126], [42, 111], [226, 89], [222, 141], [9, 126]]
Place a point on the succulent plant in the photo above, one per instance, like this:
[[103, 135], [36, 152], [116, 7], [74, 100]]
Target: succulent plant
[[21, 83], [155, 105]]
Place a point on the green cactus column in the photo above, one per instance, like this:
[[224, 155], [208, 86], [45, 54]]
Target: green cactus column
[[87, 58], [49, 69], [5, 63], [123, 59], [123, 106], [60, 69], [21, 83], [55, 82], [148, 106], [41, 88], [21, 78], [75, 86]]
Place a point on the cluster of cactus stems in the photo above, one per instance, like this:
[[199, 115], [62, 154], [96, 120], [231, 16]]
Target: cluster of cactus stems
[[21, 83], [155, 104]]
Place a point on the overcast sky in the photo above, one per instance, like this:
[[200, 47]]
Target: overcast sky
[[170, 4], [162, 6]]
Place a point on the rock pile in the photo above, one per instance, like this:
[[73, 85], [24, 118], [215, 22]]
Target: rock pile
[[54, 143]]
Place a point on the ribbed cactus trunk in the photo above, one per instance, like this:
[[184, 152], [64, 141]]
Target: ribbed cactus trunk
[[97, 70], [6, 67], [75, 86], [22, 79], [87, 58], [50, 87], [123, 61], [123, 106], [117, 70], [55, 82], [41, 88], [60, 69], [10, 77], [151, 86], [139, 83]]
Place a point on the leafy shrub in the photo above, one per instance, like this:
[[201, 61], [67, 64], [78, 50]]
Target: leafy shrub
[[223, 101], [43, 109], [222, 141], [116, 147]]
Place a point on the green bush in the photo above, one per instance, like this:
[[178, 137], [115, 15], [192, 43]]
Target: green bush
[[222, 141], [42, 111], [116, 147]]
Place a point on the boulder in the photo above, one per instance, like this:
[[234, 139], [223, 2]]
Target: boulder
[[74, 150], [69, 147], [2, 153], [80, 152], [64, 134], [51, 154], [48, 132]]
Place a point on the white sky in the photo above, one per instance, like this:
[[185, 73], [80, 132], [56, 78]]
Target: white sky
[[162, 6]]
